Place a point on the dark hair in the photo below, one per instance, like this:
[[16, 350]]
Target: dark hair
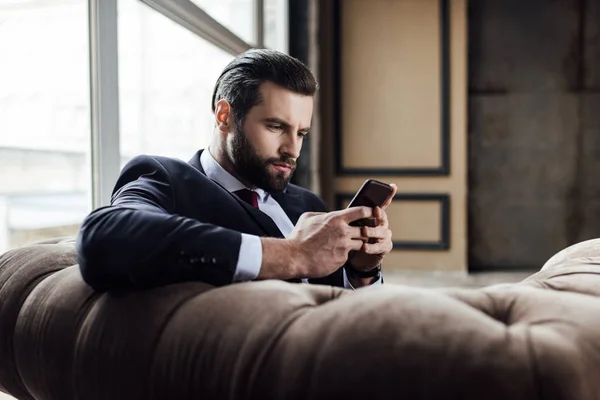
[[240, 81]]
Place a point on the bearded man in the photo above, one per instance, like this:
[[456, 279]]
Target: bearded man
[[230, 214]]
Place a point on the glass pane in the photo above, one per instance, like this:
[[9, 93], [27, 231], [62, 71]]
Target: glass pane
[[45, 169], [235, 15], [166, 79], [276, 27]]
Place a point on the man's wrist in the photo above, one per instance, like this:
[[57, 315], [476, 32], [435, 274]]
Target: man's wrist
[[295, 258], [362, 282], [362, 274], [281, 259]]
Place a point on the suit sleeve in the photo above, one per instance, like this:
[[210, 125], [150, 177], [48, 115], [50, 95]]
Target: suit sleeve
[[139, 241]]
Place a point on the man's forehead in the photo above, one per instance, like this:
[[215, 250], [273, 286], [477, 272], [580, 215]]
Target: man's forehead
[[287, 103], [270, 88]]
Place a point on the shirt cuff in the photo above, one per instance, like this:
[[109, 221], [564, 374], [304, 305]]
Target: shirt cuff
[[348, 285], [249, 259]]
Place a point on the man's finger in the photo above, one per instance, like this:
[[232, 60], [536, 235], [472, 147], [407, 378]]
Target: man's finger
[[391, 197], [382, 219], [311, 214], [383, 247], [354, 213], [356, 245], [354, 232], [377, 211], [379, 232]]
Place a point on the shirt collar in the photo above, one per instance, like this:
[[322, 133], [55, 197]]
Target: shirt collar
[[217, 173]]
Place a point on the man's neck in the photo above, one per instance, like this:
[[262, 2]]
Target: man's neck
[[217, 151]]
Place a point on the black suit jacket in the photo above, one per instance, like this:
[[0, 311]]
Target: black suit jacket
[[168, 222]]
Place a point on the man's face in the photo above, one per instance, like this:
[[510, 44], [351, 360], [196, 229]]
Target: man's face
[[265, 149]]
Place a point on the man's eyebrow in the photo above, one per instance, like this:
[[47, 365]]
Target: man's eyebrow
[[279, 121]]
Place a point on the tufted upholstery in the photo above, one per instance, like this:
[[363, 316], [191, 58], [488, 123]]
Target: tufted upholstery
[[539, 339]]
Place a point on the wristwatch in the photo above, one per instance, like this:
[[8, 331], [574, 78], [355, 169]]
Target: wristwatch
[[355, 273]]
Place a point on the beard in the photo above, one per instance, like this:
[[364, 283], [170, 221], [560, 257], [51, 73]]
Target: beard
[[255, 169]]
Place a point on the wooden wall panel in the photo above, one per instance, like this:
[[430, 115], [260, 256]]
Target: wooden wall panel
[[392, 108], [400, 117]]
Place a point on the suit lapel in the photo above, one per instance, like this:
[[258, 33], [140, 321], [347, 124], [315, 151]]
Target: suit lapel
[[262, 219], [291, 203]]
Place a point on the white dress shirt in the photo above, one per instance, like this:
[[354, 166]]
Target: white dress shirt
[[250, 257]]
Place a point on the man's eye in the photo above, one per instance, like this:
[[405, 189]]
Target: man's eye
[[303, 134], [275, 127]]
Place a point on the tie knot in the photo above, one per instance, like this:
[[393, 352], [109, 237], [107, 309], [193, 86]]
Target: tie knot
[[249, 196]]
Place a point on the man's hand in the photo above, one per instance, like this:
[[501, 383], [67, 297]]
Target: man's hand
[[322, 241], [377, 242]]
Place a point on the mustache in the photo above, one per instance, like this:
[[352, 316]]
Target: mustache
[[283, 160]]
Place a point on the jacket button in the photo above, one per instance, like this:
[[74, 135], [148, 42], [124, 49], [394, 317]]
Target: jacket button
[[203, 260], [196, 259], [213, 260]]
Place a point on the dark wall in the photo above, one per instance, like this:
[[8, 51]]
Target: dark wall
[[534, 129], [299, 41]]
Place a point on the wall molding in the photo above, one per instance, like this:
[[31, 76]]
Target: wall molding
[[444, 168], [442, 198]]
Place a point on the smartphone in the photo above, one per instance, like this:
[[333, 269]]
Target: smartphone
[[372, 194]]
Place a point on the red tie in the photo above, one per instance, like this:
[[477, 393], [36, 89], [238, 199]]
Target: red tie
[[249, 196]]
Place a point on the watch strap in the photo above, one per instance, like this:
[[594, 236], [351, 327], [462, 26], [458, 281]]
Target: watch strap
[[355, 273]]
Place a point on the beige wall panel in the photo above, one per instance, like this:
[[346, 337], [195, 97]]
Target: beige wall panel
[[425, 185], [454, 185], [417, 221], [421, 261], [457, 257], [458, 144], [390, 83]]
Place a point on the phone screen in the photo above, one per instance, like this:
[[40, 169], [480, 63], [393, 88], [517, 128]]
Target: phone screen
[[371, 194]]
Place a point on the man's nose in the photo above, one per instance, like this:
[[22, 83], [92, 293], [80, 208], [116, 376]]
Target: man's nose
[[292, 146]]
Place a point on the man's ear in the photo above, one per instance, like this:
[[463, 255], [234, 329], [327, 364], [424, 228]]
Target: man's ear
[[223, 116]]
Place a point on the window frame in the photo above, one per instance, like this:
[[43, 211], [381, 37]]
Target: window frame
[[104, 75]]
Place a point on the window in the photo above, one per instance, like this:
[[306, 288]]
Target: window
[[236, 15], [166, 75], [166, 79], [275, 25], [45, 164]]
